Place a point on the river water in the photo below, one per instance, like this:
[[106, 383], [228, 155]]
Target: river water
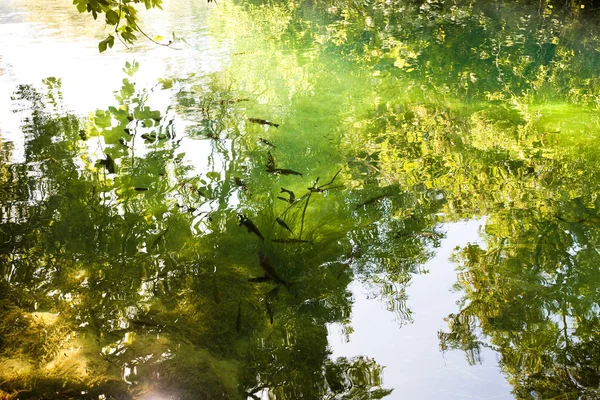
[[320, 200]]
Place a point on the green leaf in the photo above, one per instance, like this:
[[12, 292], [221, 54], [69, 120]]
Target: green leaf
[[166, 83], [131, 68], [213, 175], [128, 89], [109, 41], [81, 6], [112, 17], [103, 119]]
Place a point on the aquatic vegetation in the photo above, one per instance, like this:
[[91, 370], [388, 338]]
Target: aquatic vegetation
[[165, 250]]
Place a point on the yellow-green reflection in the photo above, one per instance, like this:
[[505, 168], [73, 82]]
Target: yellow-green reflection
[[337, 140]]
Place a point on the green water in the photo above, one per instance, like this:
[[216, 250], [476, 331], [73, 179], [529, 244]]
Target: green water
[[197, 236]]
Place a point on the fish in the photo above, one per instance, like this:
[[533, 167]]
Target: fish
[[292, 195], [263, 122], [265, 264], [270, 163], [278, 171], [284, 171], [260, 279], [290, 241], [264, 141], [272, 295], [284, 225], [269, 310], [245, 221], [108, 163]]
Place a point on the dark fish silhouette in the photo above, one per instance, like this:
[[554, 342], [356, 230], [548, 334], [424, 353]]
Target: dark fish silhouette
[[264, 141], [265, 264], [284, 225], [269, 309], [285, 171], [272, 295], [270, 163], [292, 195], [108, 163], [278, 171], [263, 122], [245, 221], [260, 279], [290, 241]]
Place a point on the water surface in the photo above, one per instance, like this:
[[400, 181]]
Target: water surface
[[304, 200]]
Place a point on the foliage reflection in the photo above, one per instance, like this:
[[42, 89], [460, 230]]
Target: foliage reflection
[[133, 265]]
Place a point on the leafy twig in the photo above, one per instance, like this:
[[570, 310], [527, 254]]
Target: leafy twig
[[154, 41]]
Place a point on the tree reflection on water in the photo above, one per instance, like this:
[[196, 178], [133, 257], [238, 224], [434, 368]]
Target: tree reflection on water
[[127, 270]]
